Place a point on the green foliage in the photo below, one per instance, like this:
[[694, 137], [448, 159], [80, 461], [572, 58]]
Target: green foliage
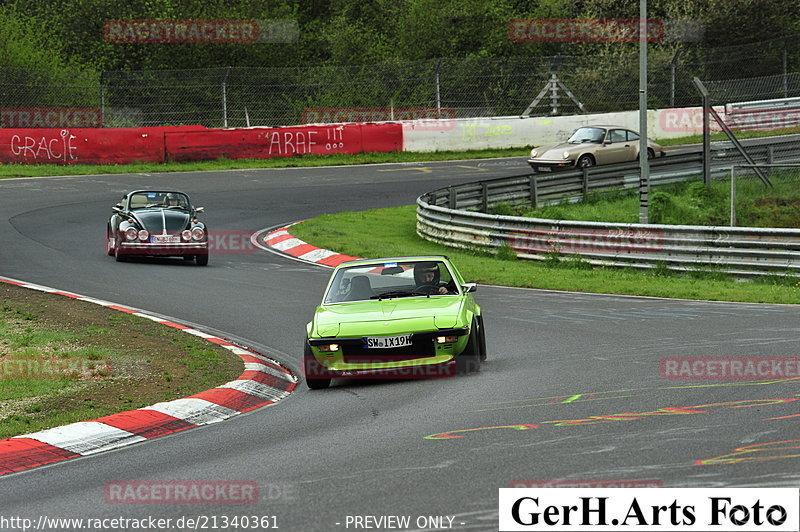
[[505, 252]]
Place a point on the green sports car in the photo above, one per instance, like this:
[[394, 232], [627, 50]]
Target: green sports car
[[396, 317]]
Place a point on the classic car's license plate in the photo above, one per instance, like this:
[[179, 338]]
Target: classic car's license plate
[[387, 342], [166, 239]]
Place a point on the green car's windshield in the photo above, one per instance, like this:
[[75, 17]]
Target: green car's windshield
[[391, 280]]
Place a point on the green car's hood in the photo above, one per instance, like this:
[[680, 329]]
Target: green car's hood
[[388, 316]]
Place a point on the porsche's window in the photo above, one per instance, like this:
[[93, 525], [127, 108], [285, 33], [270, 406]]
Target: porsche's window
[[633, 136], [617, 135], [171, 200], [391, 280], [588, 134]]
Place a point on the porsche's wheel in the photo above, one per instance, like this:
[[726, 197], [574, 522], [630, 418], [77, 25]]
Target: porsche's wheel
[[313, 369], [469, 359], [651, 154], [585, 161], [482, 342], [201, 259]]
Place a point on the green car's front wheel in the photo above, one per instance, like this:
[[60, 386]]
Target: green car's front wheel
[[469, 359], [313, 370]]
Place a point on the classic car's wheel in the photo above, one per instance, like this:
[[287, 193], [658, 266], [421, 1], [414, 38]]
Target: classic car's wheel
[[650, 153], [118, 255], [201, 259], [585, 161], [311, 368], [482, 342], [469, 359], [109, 243]]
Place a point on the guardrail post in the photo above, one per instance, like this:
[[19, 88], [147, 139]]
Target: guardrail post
[[585, 181], [484, 197], [770, 154], [451, 197], [433, 198], [534, 191]]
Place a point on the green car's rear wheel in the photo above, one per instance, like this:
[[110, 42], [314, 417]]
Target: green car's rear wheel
[[469, 359], [313, 369]]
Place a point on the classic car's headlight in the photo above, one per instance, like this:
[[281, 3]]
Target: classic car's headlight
[[186, 235], [565, 155], [534, 153], [143, 235], [131, 233], [328, 348], [198, 233]]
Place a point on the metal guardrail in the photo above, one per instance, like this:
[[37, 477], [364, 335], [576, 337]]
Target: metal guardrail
[[448, 216]]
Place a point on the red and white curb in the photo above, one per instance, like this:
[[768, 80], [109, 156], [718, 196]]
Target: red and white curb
[[263, 382], [282, 241]]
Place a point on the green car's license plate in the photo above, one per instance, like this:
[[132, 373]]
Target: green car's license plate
[[386, 342]]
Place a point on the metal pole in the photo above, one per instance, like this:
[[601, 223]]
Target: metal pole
[[225, 99], [785, 78], [438, 90], [102, 100], [644, 164], [706, 130], [733, 195]]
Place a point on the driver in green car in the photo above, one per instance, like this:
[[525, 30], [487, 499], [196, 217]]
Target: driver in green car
[[426, 275]]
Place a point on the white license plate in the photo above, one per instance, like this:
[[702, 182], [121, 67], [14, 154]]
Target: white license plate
[[166, 239], [543, 169], [388, 342]]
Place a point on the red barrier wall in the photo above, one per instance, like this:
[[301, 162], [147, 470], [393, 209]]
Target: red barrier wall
[[83, 145], [264, 143], [191, 143]]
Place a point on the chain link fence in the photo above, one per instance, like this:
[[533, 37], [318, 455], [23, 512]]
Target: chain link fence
[[461, 88]]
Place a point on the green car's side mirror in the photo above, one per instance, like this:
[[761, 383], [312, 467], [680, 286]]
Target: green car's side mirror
[[469, 287]]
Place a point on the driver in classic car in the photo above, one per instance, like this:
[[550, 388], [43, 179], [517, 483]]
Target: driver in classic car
[[426, 275]]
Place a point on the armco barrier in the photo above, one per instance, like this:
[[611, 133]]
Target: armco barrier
[[448, 216], [191, 143], [263, 143], [737, 250]]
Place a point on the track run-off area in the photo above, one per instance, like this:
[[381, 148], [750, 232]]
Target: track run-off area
[[572, 389]]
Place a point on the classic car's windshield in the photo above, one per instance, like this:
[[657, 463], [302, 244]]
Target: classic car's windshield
[[165, 199], [391, 280], [588, 134]]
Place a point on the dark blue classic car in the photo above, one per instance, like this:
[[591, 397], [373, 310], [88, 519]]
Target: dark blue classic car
[[157, 223]]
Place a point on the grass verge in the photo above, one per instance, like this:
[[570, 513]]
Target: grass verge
[[392, 232], [63, 361]]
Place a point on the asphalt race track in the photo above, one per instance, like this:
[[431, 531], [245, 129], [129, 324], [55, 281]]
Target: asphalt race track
[[572, 386]]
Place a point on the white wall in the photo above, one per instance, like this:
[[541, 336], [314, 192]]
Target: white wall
[[516, 132]]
